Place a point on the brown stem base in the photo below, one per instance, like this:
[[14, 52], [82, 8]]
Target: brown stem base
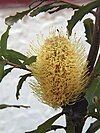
[[76, 113]]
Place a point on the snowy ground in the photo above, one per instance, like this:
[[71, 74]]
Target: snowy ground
[[22, 34]]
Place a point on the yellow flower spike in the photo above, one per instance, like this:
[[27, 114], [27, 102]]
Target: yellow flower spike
[[60, 71]]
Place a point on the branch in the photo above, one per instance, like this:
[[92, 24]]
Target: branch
[[75, 116], [16, 65]]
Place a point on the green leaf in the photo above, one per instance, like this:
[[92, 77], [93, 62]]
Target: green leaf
[[30, 60], [94, 127], [93, 97], [63, 6], [4, 38], [55, 127], [20, 83], [78, 15], [1, 69], [46, 7], [13, 19], [16, 54], [13, 60], [40, 9], [3, 106], [97, 67], [6, 71], [12, 57], [88, 24], [94, 90], [46, 125], [70, 126]]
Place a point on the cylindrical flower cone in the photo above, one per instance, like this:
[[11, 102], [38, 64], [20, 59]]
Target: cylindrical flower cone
[[60, 70]]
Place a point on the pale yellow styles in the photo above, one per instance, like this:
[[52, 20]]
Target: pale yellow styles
[[60, 71]]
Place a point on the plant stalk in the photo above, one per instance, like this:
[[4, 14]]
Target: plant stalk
[[75, 116]]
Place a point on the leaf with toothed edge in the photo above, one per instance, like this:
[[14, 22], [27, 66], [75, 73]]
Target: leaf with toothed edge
[[3, 106], [6, 71], [79, 14], [4, 38], [93, 93], [20, 83], [58, 6], [16, 54], [46, 125], [88, 24], [30, 60], [13, 19], [1, 69]]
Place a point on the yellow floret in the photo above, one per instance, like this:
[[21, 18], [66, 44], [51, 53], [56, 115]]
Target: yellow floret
[[60, 70]]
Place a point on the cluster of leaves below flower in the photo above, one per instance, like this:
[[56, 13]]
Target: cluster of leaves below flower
[[16, 59]]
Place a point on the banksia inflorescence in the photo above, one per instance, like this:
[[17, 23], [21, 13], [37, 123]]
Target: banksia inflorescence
[[60, 70]]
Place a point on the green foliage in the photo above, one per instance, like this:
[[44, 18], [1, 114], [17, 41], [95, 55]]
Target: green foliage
[[94, 90], [3, 46], [11, 59], [88, 24], [70, 126], [97, 68], [30, 60], [34, 11], [1, 69], [5, 72], [4, 38], [46, 125], [20, 83], [13, 19], [16, 54], [52, 6], [93, 93], [3, 106], [94, 127], [79, 14]]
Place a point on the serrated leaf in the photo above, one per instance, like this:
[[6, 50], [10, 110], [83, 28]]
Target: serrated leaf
[[0, 52], [6, 71], [30, 60], [55, 127], [93, 97], [13, 60], [61, 6], [4, 38], [13, 19], [3, 106], [16, 54], [78, 15], [97, 67], [1, 69], [94, 127], [45, 8], [12, 57], [20, 83], [88, 24], [46, 125], [93, 90], [40, 9]]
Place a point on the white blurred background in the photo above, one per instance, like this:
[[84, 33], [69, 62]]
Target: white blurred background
[[22, 34]]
